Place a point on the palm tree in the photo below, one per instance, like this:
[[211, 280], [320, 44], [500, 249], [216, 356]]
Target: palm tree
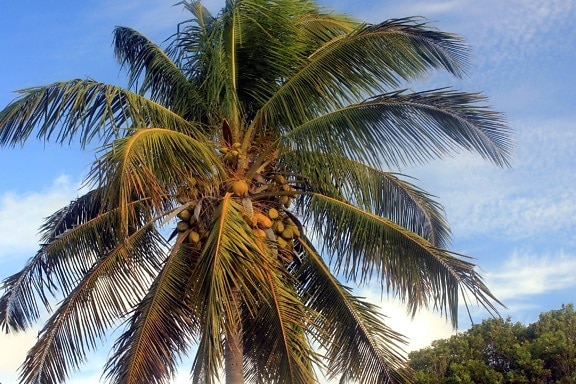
[[244, 177]]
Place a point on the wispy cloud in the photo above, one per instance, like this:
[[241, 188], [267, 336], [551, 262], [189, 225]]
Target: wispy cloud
[[526, 274], [534, 199], [21, 215]]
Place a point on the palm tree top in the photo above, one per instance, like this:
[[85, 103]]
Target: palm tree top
[[245, 177]]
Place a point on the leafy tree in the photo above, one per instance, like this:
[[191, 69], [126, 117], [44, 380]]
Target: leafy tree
[[245, 170], [498, 351]]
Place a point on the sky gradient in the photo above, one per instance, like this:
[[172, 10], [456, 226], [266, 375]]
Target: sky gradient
[[519, 223]]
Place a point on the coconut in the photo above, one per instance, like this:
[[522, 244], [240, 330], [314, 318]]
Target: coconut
[[278, 227], [279, 179], [184, 215], [273, 213], [193, 237], [260, 233], [281, 242], [294, 230], [182, 226], [263, 220], [240, 188], [284, 200], [287, 234]]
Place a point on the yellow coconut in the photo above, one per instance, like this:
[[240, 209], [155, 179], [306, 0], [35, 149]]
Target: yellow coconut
[[281, 242], [294, 229], [263, 220], [273, 213], [184, 215], [240, 188], [279, 179], [278, 227], [260, 233], [193, 237], [287, 234]]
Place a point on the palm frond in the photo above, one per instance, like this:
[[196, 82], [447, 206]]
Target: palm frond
[[397, 129], [160, 328], [231, 260], [359, 345], [84, 110], [191, 46], [151, 164], [161, 79], [106, 292], [79, 227], [367, 61], [74, 239], [284, 319], [381, 193], [320, 28], [411, 267]]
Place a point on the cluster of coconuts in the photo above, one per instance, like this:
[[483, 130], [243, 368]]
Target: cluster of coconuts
[[189, 192], [188, 224], [271, 221], [274, 225], [233, 154], [267, 218]]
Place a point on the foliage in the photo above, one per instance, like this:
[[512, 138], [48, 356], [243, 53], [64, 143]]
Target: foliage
[[244, 179], [499, 351]]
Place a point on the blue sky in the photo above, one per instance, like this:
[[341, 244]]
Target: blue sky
[[520, 223]]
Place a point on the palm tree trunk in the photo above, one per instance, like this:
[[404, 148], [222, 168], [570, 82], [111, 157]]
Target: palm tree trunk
[[234, 346]]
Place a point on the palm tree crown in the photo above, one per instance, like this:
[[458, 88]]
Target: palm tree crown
[[244, 177]]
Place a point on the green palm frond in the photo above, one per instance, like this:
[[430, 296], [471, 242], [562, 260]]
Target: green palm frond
[[151, 164], [320, 28], [115, 283], [368, 61], [372, 247], [165, 83], [190, 46], [226, 265], [74, 239], [74, 228], [160, 328], [85, 110], [398, 129], [269, 47], [359, 346], [285, 319], [381, 193]]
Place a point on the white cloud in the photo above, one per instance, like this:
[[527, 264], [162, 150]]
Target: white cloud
[[533, 199], [13, 353], [526, 274], [420, 331], [21, 215]]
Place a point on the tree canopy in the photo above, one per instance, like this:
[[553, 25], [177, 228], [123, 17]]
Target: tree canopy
[[500, 351]]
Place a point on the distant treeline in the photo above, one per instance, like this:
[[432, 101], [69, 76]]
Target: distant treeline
[[499, 351]]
